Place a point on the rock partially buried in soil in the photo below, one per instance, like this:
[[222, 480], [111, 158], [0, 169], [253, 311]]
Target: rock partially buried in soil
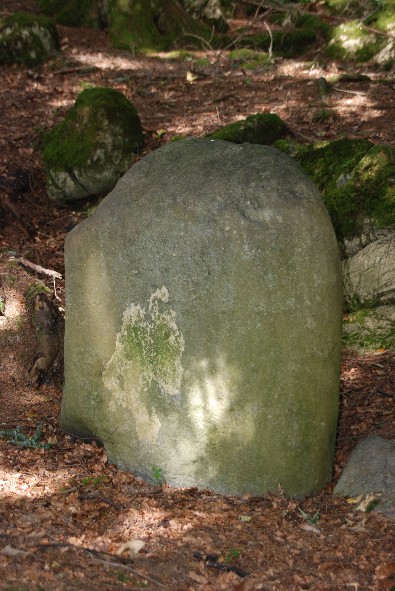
[[86, 154], [371, 469], [27, 39], [204, 308]]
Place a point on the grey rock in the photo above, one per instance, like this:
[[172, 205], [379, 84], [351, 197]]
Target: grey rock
[[371, 469], [204, 305], [369, 275]]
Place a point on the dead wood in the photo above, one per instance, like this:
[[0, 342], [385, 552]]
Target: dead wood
[[45, 322]]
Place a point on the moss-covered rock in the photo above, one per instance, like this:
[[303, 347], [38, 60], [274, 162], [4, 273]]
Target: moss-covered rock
[[149, 25], [208, 10], [73, 13], [262, 128], [356, 180], [95, 144], [351, 40], [27, 39], [367, 329]]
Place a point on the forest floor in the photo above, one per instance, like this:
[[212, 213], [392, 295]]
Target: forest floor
[[66, 515]]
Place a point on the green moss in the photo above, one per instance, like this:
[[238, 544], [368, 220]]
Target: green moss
[[70, 144], [350, 40], [149, 25], [27, 39], [291, 41], [256, 129], [366, 330], [249, 59], [357, 181], [73, 13]]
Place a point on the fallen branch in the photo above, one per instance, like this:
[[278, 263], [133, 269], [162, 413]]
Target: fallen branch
[[47, 336], [97, 496], [94, 555], [81, 69], [38, 268], [129, 569]]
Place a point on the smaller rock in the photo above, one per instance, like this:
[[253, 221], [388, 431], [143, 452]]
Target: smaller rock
[[97, 142], [27, 39], [262, 129], [371, 469], [352, 41], [369, 275], [209, 10]]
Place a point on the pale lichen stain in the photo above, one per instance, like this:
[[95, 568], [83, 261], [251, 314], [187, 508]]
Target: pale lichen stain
[[148, 352]]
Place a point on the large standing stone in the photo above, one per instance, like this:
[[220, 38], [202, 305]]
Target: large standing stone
[[204, 306]]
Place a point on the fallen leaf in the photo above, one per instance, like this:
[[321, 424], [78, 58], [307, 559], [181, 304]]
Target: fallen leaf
[[354, 501], [134, 547], [197, 578], [191, 77], [245, 517], [308, 527]]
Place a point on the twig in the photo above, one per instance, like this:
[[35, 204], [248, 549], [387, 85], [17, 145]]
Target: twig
[[128, 568], [95, 495], [206, 44], [271, 39], [93, 554], [38, 268], [349, 91], [257, 17], [386, 394], [84, 69]]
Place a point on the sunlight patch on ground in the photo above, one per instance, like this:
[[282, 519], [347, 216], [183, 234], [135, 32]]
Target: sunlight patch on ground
[[19, 484], [106, 62], [13, 310]]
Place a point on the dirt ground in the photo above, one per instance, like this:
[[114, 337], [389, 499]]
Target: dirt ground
[[66, 515]]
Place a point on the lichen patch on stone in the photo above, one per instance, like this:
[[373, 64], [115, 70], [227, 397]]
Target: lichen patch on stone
[[147, 354]]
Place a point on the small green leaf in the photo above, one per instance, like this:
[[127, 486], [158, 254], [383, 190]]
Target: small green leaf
[[245, 517]]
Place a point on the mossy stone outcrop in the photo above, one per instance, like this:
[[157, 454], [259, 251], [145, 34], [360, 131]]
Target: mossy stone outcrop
[[356, 180], [351, 40], [93, 146], [208, 10], [263, 129], [76, 13], [204, 307], [148, 25], [368, 34], [27, 39]]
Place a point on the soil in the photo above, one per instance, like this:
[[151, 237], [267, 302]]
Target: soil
[[70, 520]]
